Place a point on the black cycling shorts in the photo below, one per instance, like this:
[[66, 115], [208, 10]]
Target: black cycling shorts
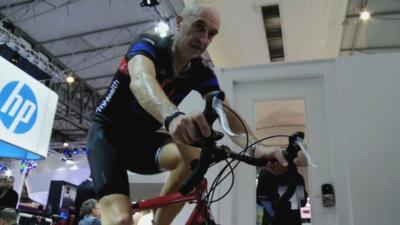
[[112, 152]]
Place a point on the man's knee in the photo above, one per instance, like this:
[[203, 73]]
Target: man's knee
[[123, 219], [116, 209], [170, 157]]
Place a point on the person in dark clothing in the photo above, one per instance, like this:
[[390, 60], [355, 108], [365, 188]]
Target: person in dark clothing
[[8, 216], [8, 196], [269, 188], [84, 192], [153, 77]]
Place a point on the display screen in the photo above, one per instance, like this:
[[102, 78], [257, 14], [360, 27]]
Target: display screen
[[68, 195]]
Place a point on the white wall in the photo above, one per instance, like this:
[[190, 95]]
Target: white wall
[[362, 123], [369, 103]]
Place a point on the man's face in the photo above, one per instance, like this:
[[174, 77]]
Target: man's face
[[96, 211], [196, 32], [3, 181], [10, 182]]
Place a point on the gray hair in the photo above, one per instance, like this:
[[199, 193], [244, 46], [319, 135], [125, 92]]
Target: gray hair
[[194, 8], [87, 207], [9, 215]]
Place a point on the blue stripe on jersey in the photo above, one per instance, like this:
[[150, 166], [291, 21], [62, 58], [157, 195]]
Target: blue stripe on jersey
[[141, 47], [210, 82]]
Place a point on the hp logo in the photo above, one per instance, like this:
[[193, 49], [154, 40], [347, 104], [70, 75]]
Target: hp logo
[[18, 107]]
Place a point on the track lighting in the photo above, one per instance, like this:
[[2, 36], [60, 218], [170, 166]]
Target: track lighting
[[149, 3]]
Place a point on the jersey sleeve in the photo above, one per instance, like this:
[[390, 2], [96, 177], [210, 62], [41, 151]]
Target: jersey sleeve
[[143, 45]]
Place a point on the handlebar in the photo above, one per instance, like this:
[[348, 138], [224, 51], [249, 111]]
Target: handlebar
[[211, 153]]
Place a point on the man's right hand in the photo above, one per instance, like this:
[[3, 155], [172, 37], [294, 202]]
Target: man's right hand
[[189, 128]]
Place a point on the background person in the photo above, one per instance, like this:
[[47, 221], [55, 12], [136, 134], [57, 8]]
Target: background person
[[84, 192], [90, 213], [8, 196], [8, 216]]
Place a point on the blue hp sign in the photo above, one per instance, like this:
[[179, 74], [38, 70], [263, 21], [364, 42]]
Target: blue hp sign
[[18, 107]]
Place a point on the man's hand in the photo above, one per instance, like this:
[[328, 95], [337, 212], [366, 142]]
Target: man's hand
[[277, 167], [280, 165], [189, 128]]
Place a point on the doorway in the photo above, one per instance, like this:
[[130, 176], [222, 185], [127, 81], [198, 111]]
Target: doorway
[[281, 117], [311, 90]]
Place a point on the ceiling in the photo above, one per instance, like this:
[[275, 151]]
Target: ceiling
[[87, 38]]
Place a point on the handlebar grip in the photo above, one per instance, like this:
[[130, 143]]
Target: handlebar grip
[[210, 115], [209, 112], [290, 154], [206, 145], [198, 172]]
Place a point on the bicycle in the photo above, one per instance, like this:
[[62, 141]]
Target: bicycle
[[194, 189]]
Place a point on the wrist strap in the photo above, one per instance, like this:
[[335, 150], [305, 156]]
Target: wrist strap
[[169, 119]]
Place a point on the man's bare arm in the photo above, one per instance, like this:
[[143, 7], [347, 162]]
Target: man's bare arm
[[147, 90]]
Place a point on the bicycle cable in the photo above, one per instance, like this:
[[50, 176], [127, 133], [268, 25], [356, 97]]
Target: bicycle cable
[[216, 182], [219, 179]]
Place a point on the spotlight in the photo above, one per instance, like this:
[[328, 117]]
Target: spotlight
[[162, 29], [67, 156], [75, 151], [365, 15], [70, 79], [15, 58], [149, 3], [8, 173], [84, 150], [2, 168]]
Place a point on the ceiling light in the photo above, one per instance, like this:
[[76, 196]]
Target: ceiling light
[[84, 150], [149, 3], [8, 173], [70, 79], [65, 144], [75, 151], [162, 29], [15, 58], [365, 15]]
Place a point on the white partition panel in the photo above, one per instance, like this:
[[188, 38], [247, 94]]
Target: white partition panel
[[352, 134]]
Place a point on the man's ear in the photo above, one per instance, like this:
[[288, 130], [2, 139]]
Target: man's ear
[[179, 19]]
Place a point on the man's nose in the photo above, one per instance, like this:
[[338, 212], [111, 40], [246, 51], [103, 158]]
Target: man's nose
[[205, 39]]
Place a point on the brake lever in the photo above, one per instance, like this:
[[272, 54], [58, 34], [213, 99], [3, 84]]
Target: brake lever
[[310, 162]]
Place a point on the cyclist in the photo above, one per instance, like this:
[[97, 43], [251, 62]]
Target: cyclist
[[152, 79]]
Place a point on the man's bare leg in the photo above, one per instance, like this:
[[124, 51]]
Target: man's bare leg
[[177, 161], [116, 209]]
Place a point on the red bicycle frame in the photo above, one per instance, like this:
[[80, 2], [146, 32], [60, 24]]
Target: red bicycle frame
[[200, 214]]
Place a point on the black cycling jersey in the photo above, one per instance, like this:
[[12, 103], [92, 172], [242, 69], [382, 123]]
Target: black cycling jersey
[[119, 105]]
